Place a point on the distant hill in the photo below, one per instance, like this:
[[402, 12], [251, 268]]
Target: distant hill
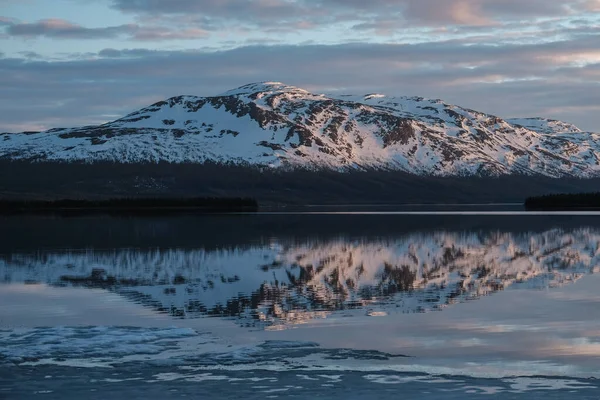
[[280, 143]]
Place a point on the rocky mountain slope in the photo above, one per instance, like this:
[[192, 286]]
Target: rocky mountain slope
[[277, 283], [275, 125]]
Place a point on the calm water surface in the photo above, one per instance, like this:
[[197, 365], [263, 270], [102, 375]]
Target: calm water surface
[[467, 304]]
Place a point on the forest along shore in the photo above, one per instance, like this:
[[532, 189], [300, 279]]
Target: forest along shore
[[130, 205], [564, 201]]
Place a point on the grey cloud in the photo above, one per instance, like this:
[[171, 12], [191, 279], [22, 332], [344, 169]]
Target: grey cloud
[[506, 80], [591, 5], [482, 12], [6, 21], [110, 53], [452, 11], [131, 53], [157, 34], [519, 8], [267, 13], [5, 24], [61, 29], [261, 9], [31, 55]]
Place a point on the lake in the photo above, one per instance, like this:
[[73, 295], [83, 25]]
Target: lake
[[420, 302]]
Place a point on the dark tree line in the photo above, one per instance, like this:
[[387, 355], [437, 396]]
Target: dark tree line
[[564, 201], [203, 204], [106, 180]]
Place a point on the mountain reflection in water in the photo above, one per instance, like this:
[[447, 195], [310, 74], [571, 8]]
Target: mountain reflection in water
[[275, 283]]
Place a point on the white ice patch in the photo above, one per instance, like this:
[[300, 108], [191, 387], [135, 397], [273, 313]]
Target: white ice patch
[[191, 377], [515, 385], [60, 345], [478, 389], [530, 384], [168, 377], [397, 379], [323, 365]]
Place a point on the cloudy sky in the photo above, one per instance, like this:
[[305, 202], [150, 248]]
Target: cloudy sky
[[72, 62]]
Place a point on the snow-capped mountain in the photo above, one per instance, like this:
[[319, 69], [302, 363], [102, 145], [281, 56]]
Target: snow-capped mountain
[[272, 124], [277, 283]]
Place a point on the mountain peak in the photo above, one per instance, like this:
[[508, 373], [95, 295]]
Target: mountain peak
[[263, 87], [374, 96]]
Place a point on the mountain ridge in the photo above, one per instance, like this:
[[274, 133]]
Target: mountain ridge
[[273, 125]]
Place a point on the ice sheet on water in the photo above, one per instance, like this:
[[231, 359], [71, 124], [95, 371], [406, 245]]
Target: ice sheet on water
[[272, 381], [87, 342], [187, 355], [537, 383], [104, 346]]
